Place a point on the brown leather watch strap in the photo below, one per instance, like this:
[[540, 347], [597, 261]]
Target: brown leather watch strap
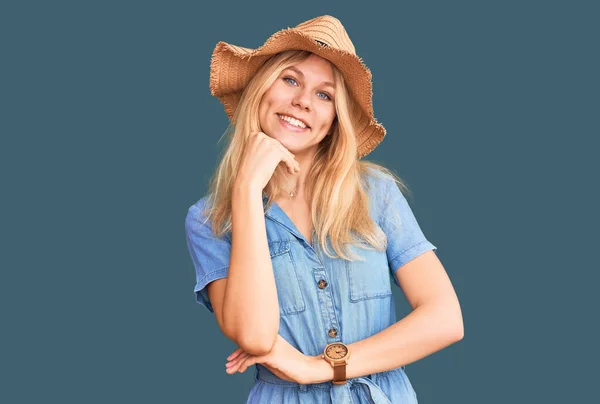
[[339, 374]]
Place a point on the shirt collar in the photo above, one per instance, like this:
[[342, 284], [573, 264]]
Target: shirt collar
[[276, 214]]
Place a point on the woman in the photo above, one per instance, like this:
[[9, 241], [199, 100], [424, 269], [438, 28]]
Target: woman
[[296, 242]]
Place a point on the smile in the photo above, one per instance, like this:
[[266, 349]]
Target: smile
[[292, 124]]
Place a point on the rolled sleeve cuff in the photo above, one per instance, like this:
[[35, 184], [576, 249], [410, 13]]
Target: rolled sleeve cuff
[[200, 288], [408, 255]]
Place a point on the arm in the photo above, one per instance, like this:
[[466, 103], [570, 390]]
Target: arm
[[249, 309], [435, 323]]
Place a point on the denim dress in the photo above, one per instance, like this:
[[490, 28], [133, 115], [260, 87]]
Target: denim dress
[[323, 300]]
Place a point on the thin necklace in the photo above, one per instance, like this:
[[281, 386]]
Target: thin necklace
[[292, 193]]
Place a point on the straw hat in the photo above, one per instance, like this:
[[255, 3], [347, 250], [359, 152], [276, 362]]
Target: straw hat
[[232, 67]]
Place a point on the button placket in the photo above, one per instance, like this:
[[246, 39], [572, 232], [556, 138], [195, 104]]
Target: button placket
[[326, 304]]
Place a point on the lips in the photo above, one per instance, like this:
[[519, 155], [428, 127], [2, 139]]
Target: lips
[[289, 127], [292, 116]]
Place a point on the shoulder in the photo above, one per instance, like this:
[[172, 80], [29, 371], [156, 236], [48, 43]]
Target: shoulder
[[377, 182], [197, 213]]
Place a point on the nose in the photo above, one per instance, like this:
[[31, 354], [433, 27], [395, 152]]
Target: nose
[[302, 100]]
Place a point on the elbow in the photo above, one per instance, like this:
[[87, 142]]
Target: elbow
[[251, 340], [257, 345], [459, 328], [451, 333], [450, 320], [460, 333]]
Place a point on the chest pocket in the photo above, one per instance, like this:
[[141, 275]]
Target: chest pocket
[[368, 279], [289, 293]]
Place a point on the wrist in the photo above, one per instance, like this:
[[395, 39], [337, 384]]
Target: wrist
[[241, 185], [243, 198], [321, 370]]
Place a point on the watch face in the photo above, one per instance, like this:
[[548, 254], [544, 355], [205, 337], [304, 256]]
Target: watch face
[[336, 351]]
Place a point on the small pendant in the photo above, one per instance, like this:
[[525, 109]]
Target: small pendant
[[291, 194]]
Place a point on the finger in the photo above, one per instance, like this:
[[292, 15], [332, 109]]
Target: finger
[[289, 159], [241, 357], [235, 354], [248, 362], [288, 155], [293, 160], [236, 361], [238, 364], [233, 366], [293, 165], [291, 168]]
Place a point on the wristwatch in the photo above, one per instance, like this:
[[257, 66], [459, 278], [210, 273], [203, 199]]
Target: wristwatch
[[337, 354]]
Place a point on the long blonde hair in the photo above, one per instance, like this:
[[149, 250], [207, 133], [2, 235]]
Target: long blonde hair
[[335, 186]]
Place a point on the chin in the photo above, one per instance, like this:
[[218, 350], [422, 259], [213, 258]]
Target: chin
[[290, 144]]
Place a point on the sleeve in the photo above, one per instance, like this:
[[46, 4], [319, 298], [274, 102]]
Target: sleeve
[[209, 254], [406, 240]]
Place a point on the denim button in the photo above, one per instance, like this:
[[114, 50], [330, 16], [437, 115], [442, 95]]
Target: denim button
[[322, 284], [332, 332]]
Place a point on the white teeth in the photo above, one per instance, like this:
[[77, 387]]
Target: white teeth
[[293, 121]]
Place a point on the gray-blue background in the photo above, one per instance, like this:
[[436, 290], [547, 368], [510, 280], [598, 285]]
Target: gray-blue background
[[108, 135]]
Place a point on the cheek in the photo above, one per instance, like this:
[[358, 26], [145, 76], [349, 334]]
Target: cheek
[[275, 93], [261, 109], [327, 118], [329, 113], [268, 103], [264, 107]]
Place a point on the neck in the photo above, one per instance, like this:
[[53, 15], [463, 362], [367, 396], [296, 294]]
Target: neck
[[295, 186], [295, 182]]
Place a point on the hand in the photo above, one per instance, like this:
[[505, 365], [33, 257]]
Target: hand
[[261, 156], [285, 361]]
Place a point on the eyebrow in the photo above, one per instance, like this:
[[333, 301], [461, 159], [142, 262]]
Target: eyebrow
[[295, 69]]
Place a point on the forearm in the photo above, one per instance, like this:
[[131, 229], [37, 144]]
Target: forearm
[[427, 329], [250, 308]]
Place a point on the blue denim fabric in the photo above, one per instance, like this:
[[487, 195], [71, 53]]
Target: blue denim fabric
[[357, 301]]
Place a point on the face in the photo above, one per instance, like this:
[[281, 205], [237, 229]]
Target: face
[[305, 92]]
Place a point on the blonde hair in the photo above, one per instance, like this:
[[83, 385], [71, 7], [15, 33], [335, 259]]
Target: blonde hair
[[335, 186]]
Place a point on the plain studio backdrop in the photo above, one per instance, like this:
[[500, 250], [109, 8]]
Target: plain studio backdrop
[[109, 133]]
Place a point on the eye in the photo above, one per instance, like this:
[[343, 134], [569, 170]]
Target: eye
[[326, 98], [288, 78], [326, 95]]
